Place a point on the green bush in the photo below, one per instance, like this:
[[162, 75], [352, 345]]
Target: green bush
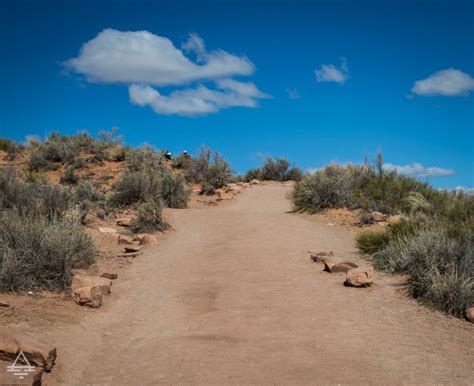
[[87, 192], [209, 169], [278, 169], [145, 185], [372, 241], [333, 186], [173, 191], [36, 253], [440, 267], [7, 144], [148, 218], [69, 176], [36, 199]]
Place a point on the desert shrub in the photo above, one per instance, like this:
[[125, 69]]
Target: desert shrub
[[366, 217], [253, 174], [86, 191], [37, 199], [69, 176], [134, 187], [333, 186], [6, 144], [441, 267], [173, 191], [145, 158], [183, 161], [38, 162], [372, 241], [36, 253], [146, 185], [280, 170], [148, 218], [209, 169], [118, 153], [31, 177]]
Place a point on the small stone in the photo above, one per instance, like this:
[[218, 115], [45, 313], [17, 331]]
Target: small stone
[[107, 230], [470, 314], [123, 239], [148, 240], [334, 267], [254, 182], [124, 222], [133, 248], [360, 277], [90, 296], [80, 280], [378, 216]]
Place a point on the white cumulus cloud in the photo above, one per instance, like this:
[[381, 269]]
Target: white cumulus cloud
[[449, 82], [418, 170], [142, 60], [330, 73], [199, 100]]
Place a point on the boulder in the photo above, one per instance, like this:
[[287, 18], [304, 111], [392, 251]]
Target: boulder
[[127, 240], [360, 277], [107, 230], [254, 182], [124, 222], [37, 353], [378, 216], [80, 280], [470, 314], [395, 219], [88, 296], [334, 267], [148, 240]]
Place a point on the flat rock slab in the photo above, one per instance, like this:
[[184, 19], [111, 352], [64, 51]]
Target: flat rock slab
[[37, 353], [335, 267]]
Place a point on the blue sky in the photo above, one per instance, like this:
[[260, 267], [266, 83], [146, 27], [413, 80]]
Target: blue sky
[[313, 81]]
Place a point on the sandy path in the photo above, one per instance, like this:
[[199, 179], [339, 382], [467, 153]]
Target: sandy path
[[231, 296]]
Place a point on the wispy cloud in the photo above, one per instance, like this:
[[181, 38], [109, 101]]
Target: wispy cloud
[[450, 82], [464, 189], [141, 60], [293, 94], [418, 170], [330, 73]]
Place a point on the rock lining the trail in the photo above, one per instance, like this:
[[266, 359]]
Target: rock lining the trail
[[36, 352]]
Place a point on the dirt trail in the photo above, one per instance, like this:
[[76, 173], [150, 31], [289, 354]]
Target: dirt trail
[[231, 296]]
